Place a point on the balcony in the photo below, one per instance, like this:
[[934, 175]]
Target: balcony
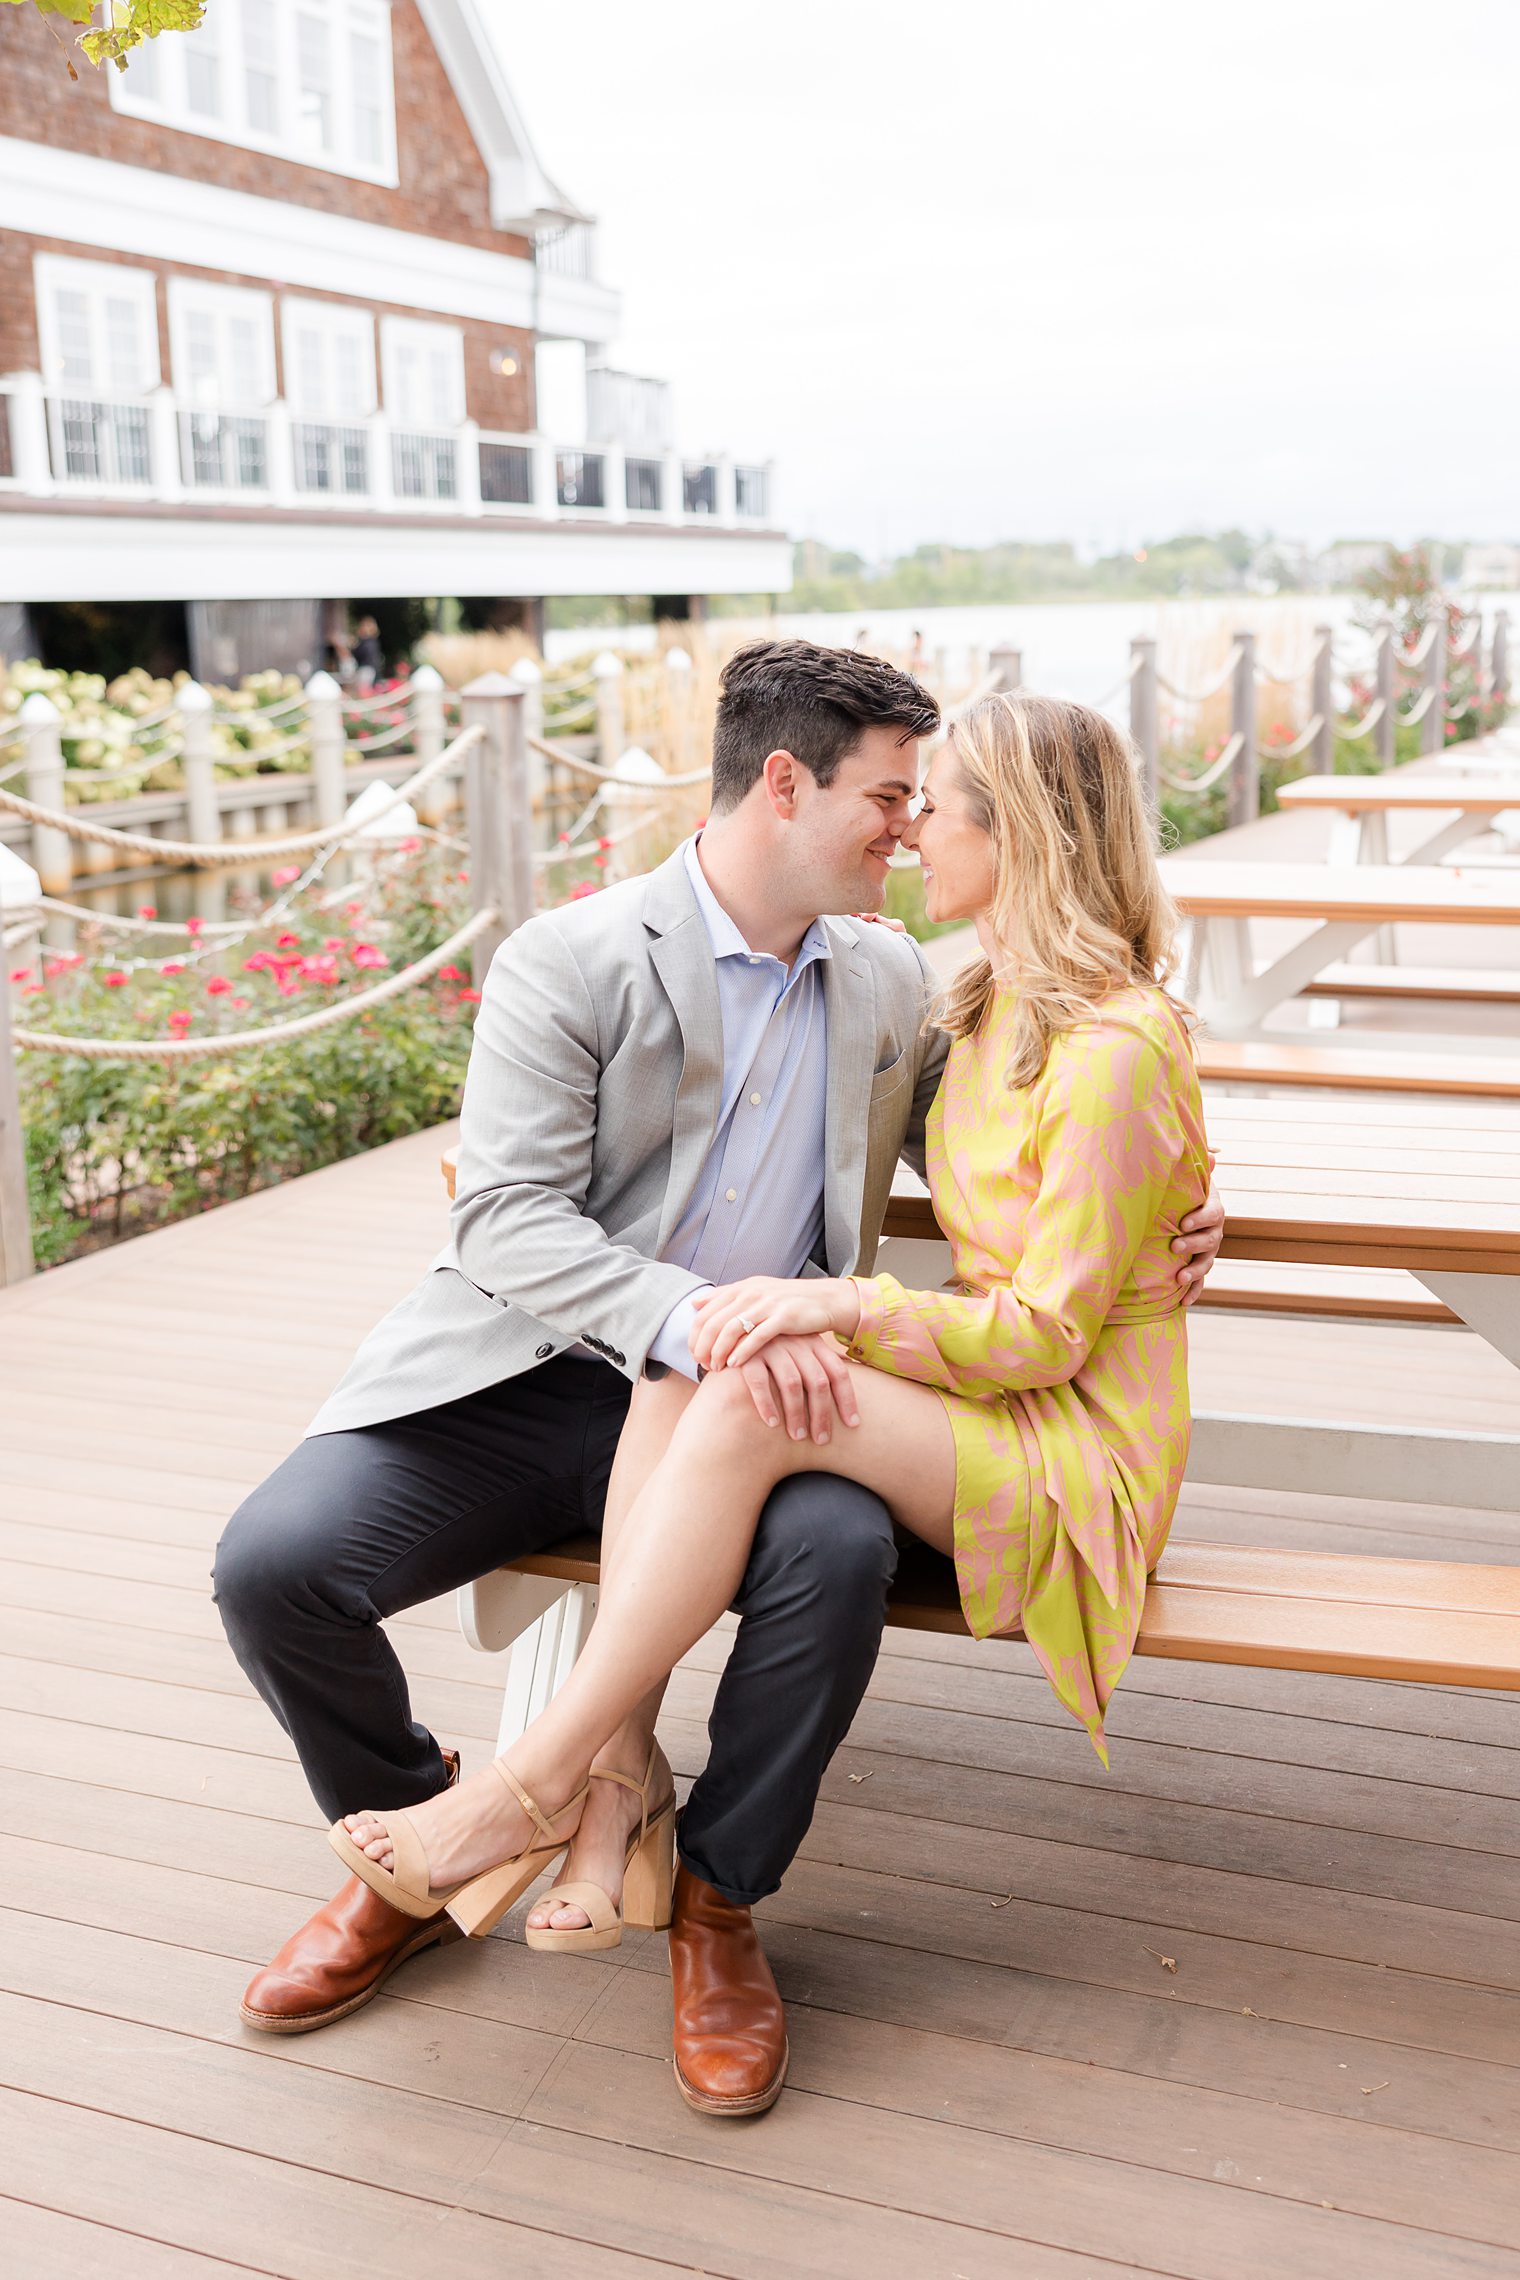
[[156, 448]]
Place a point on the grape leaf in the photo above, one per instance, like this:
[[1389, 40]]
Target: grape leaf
[[133, 21]]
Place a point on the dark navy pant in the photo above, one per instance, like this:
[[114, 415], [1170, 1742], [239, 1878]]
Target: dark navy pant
[[355, 1526]]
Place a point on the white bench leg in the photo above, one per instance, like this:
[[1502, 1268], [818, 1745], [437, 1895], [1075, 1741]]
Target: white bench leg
[[543, 1624]]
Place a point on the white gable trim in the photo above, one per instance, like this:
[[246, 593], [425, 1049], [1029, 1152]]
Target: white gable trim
[[96, 203], [522, 195]]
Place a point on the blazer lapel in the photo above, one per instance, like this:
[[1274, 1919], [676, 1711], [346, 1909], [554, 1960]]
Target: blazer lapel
[[682, 957], [850, 999]]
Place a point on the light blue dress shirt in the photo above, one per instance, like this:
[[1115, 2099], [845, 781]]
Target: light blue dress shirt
[[757, 1208]]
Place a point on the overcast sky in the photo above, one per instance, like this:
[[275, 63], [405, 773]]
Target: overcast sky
[[989, 269]]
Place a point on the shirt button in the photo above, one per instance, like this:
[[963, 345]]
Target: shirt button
[[754, 1100], [733, 1195]]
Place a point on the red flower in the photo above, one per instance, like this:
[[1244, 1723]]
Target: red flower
[[599, 862], [179, 1021], [147, 910], [240, 1005], [284, 876], [257, 963], [218, 986], [354, 910], [586, 887], [335, 942], [407, 846], [194, 925], [469, 997], [450, 974], [21, 973], [172, 966], [463, 877], [35, 989], [320, 969], [116, 981], [287, 941], [366, 954], [604, 844], [287, 985]]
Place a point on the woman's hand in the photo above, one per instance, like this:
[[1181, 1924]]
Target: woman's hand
[[735, 1322]]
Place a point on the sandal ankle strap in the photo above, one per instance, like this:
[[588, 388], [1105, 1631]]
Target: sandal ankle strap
[[540, 1822]]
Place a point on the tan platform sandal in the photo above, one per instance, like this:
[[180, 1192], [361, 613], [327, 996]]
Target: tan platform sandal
[[478, 1902], [648, 1876]]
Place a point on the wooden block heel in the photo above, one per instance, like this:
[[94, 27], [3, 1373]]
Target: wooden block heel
[[648, 1875]]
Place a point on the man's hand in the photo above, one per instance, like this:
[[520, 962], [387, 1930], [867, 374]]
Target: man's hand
[[803, 1384], [1198, 1245]]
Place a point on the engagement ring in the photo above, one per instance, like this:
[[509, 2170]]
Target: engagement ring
[[746, 1325]]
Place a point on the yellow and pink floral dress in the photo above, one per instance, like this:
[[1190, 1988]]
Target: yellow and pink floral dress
[[1060, 1352]]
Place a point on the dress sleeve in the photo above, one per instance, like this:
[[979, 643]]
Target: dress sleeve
[[1107, 1137]]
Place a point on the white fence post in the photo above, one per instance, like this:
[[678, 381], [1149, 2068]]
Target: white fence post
[[1145, 713], [1322, 700], [324, 720], [1433, 726], [1498, 659], [1245, 777], [427, 741], [52, 849], [678, 671], [1007, 663], [607, 672], [531, 682], [203, 817], [1386, 733], [16, 1261], [500, 818]]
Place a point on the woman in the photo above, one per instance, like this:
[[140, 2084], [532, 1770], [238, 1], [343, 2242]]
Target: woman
[[1032, 1420]]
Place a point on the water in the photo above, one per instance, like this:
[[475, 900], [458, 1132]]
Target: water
[[1070, 649]]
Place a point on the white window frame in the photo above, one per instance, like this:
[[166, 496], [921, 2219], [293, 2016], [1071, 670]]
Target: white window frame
[[190, 293], [332, 317], [50, 271], [170, 108], [397, 333]]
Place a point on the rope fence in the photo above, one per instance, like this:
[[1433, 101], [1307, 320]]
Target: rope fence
[[272, 1033]]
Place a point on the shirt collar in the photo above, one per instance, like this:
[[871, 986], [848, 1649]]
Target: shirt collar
[[727, 941]]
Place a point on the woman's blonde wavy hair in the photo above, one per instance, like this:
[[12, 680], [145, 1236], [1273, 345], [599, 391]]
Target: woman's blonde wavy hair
[[1078, 908]]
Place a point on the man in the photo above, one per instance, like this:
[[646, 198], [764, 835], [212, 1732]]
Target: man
[[698, 1075]]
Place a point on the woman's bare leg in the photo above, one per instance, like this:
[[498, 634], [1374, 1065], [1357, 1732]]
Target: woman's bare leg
[[611, 1812], [681, 1554]]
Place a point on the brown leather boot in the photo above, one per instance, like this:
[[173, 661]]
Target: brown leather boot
[[339, 1960], [730, 2028]]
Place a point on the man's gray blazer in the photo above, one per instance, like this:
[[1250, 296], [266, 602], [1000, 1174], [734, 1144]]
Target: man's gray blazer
[[591, 1102]]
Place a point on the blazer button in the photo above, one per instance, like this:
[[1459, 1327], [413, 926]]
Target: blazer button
[[543, 1353], [618, 1358]]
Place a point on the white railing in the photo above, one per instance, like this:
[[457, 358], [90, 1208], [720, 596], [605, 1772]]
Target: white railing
[[60, 442], [568, 252], [627, 408]]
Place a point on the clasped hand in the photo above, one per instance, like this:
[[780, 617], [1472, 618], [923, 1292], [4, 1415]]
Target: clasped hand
[[780, 1336]]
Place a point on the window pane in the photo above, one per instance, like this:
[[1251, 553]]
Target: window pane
[[352, 393], [261, 83], [366, 97], [144, 80], [314, 83], [200, 352], [76, 360], [203, 71], [310, 392], [125, 362]]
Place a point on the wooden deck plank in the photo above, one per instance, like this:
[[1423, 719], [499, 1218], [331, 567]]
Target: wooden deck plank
[[993, 2069]]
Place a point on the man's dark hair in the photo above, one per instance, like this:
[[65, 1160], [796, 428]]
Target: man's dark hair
[[793, 696]]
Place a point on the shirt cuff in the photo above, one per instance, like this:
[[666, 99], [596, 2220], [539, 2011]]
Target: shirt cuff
[[671, 1342]]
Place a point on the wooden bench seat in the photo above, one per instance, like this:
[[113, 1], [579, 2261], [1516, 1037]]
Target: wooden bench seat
[[1357, 1069], [1462, 985], [1435, 1623]]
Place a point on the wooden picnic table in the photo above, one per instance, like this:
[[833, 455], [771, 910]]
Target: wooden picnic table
[[1343, 903], [1363, 804], [1430, 1188]]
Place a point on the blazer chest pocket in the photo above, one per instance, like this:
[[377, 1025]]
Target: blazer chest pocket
[[887, 1084]]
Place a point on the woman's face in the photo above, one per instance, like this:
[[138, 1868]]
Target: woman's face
[[954, 850]]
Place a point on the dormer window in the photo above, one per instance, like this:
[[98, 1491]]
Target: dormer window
[[308, 80]]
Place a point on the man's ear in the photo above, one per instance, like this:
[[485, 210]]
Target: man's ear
[[779, 776]]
